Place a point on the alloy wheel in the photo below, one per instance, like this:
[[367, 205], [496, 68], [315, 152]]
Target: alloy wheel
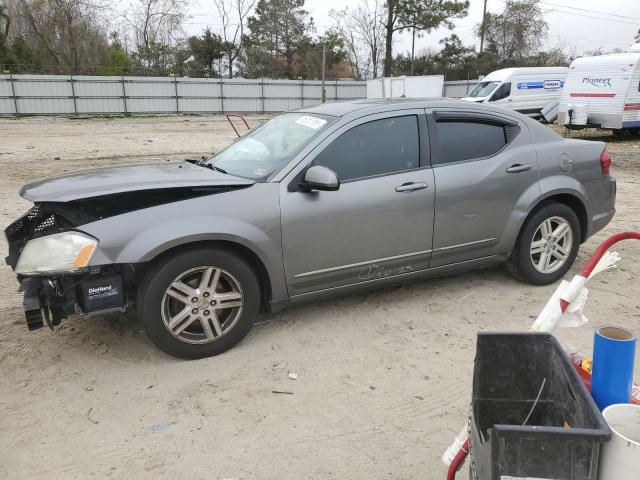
[[551, 245], [202, 304]]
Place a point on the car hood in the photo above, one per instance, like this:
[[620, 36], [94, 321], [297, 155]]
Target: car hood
[[127, 178]]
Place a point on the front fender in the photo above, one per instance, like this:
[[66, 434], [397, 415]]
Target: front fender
[[248, 217], [147, 245]]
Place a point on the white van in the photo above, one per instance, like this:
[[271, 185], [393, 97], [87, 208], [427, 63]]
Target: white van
[[526, 90], [603, 92]]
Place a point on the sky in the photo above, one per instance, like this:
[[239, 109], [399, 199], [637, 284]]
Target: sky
[[578, 26]]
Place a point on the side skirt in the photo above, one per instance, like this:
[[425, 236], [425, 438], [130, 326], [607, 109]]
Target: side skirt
[[454, 268]]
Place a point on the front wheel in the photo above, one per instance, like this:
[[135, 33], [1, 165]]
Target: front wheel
[[199, 302], [547, 245]]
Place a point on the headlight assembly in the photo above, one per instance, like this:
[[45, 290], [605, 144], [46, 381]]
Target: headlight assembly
[[58, 253]]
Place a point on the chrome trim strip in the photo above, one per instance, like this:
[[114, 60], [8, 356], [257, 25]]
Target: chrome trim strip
[[359, 264], [417, 273], [461, 245]]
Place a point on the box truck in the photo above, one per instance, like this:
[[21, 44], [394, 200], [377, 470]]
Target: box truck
[[527, 90], [603, 92]]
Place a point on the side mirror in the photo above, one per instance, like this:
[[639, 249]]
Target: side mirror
[[320, 178]]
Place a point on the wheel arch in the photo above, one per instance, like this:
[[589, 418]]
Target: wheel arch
[[246, 253], [571, 200]]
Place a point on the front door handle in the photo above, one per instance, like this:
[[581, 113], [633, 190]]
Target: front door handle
[[517, 168], [411, 187]]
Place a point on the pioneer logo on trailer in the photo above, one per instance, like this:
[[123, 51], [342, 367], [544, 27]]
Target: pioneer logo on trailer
[[597, 81]]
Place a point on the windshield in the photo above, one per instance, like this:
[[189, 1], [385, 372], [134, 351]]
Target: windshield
[[268, 148], [483, 89]]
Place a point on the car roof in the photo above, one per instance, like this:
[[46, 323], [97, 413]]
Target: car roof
[[363, 107]]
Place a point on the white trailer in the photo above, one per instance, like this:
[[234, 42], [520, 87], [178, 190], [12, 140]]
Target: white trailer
[[603, 92], [410, 87]]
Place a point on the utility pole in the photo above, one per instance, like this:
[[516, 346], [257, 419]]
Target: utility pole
[[484, 16], [413, 48], [324, 61]]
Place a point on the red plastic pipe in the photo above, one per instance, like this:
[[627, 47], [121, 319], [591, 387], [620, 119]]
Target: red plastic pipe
[[597, 255], [458, 460]]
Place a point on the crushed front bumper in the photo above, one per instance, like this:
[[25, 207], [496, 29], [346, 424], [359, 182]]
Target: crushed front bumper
[[50, 299]]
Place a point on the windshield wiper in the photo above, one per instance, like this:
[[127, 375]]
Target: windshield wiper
[[217, 169], [212, 167]]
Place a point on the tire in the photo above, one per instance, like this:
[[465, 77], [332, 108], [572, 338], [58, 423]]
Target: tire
[[199, 302], [527, 262]]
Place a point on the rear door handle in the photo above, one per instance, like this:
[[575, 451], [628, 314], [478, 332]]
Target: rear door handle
[[517, 168], [411, 187]]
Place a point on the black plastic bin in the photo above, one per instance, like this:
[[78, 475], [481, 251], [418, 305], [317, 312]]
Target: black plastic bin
[[562, 437]]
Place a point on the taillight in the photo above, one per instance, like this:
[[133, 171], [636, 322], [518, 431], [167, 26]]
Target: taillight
[[605, 161]]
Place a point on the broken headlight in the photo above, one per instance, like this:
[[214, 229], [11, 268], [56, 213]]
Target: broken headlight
[[58, 253]]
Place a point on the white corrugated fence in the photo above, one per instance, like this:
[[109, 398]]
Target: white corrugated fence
[[71, 94]]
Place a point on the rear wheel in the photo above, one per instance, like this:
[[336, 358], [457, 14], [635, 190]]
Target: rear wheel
[[547, 245], [199, 302]]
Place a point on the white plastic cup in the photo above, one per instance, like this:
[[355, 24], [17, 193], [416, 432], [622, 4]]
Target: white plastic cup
[[620, 457]]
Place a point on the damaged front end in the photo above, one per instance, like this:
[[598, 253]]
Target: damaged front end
[[49, 297], [51, 254]]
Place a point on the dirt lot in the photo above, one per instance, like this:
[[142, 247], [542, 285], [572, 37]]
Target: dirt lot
[[384, 378]]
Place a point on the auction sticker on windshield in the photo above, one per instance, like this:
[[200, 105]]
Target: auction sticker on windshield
[[311, 122]]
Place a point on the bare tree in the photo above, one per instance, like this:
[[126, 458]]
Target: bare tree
[[517, 33], [157, 27], [233, 14], [60, 35], [363, 33]]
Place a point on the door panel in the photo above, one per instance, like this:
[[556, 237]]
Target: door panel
[[363, 231], [475, 198], [371, 227]]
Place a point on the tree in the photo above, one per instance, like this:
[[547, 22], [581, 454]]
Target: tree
[[117, 60], [310, 56], [637, 37], [278, 28], [57, 36], [418, 15], [516, 34], [5, 22], [454, 60], [157, 27], [206, 50], [362, 32], [233, 14]]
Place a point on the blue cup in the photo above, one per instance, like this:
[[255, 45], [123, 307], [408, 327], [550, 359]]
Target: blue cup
[[614, 351]]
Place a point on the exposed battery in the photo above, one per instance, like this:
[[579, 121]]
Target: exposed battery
[[101, 293]]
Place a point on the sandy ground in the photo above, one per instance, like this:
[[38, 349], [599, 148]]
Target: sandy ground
[[384, 378]]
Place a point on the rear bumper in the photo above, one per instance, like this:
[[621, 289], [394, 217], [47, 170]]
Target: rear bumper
[[604, 206]]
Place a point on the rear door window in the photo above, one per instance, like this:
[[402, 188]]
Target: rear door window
[[466, 140], [374, 148]]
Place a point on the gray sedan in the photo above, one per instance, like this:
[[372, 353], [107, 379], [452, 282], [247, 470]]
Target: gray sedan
[[324, 201]]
